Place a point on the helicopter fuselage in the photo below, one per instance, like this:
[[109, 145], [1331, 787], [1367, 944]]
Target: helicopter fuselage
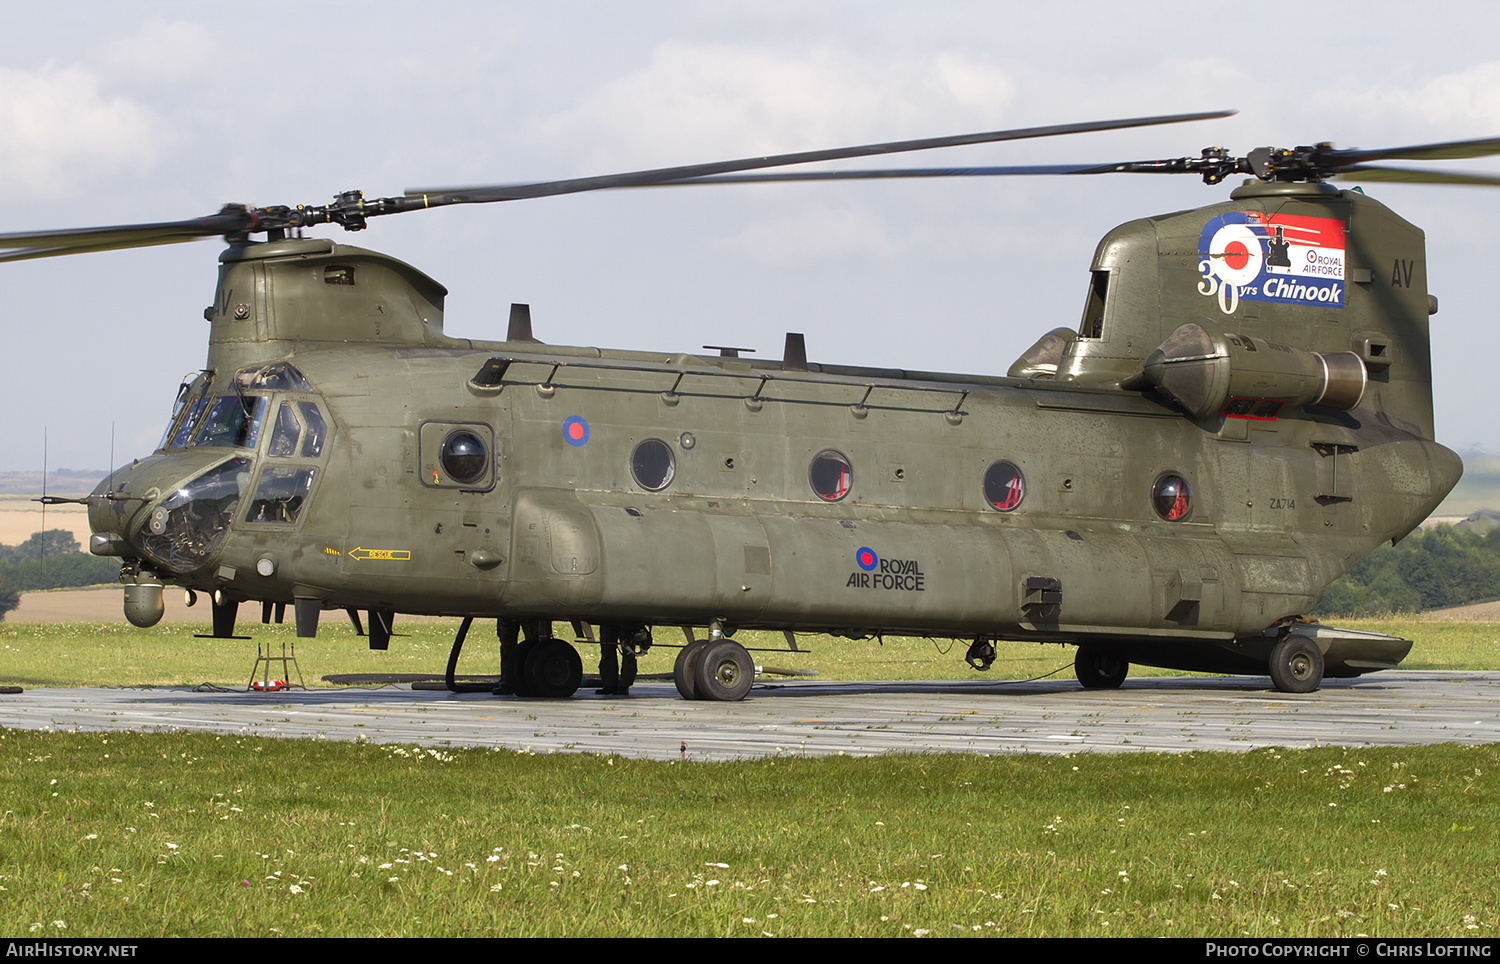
[[340, 451]]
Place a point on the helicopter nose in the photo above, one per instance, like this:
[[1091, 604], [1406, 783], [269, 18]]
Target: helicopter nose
[[113, 506], [170, 511]]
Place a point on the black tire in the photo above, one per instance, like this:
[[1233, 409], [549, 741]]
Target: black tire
[[725, 672], [1296, 665], [519, 685], [554, 670], [685, 669], [1098, 669]]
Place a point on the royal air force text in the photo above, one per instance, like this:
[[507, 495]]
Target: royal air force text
[[899, 574]]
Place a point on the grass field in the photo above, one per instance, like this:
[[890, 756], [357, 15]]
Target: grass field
[[204, 835]]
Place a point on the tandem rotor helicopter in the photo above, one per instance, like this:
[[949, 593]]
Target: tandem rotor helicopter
[[1243, 412]]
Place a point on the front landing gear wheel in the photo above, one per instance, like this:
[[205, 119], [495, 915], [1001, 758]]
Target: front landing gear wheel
[[725, 672], [1297, 665], [554, 670], [685, 670], [1099, 670]]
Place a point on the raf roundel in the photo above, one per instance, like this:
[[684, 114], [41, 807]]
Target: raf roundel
[[867, 559], [575, 430], [1237, 254]]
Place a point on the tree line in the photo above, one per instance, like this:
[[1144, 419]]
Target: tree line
[[1429, 569], [50, 560]]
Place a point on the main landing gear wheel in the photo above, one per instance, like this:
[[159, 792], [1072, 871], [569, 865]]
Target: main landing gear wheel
[[725, 672], [685, 670], [1297, 665], [519, 685], [1098, 670], [553, 669]]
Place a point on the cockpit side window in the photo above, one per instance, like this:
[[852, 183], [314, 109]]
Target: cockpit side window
[[285, 433], [317, 430], [281, 494], [299, 431], [232, 422]]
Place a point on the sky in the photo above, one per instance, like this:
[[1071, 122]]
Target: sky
[[122, 113]]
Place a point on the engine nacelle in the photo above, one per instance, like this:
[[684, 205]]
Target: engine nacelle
[[1209, 371]]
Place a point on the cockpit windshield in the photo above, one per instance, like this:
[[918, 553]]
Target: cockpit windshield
[[233, 421], [189, 423], [190, 397]]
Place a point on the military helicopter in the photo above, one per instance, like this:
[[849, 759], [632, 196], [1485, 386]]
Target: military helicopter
[[1243, 412]]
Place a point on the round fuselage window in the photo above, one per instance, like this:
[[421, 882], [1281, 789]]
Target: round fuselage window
[[1004, 485], [465, 457], [830, 475], [652, 464], [1172, 497]]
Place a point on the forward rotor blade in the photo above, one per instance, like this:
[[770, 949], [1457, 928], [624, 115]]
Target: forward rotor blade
[[1014, 171], [351, 209], [1452, 150], [46, 244], [511, 192], [1362, 172]]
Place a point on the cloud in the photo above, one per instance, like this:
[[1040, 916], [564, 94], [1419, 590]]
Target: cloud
[[162, 53], [1466, 100], [700, 101], [1396, 105], [63, 131]]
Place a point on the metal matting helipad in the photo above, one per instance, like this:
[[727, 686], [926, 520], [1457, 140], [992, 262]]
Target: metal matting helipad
[[1400, 708]]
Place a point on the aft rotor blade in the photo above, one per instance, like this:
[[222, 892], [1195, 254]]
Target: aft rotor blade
[[46, 244], [1363, 172], [1450, 151], [511, 192]]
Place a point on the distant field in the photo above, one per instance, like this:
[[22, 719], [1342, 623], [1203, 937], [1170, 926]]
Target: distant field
[[1478, 489], [97, 604], [59, 482], [20, 517]]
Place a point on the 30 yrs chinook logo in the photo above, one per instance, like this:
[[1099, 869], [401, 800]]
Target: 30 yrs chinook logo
[[1282, 258], [877, 573]]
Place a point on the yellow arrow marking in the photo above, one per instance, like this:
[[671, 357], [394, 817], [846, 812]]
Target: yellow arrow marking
[[393, 555]]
